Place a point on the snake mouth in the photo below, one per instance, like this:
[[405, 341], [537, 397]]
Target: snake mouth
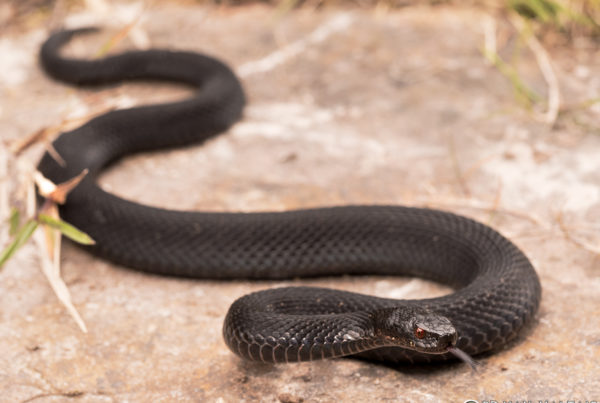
[[464, 357]]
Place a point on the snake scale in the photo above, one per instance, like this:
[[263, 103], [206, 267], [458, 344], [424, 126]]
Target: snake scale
[[497, 289]]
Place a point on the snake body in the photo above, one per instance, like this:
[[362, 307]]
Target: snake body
[[497, 289]]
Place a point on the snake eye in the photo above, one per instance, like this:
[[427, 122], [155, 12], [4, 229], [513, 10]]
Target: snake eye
[[420, 333]]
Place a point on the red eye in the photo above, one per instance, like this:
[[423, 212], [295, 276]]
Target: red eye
[[420, 333]]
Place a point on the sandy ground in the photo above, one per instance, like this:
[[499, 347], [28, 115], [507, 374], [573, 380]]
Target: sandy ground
[[344, 107]]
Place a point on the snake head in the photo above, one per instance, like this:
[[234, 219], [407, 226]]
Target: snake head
[[415, 328]]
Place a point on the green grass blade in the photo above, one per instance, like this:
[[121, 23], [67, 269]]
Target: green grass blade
[[23, 234], [542, 10], [67, 229], [521, 89], [14, 221]]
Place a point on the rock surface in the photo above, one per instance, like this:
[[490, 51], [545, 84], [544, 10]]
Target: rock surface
[[344, 107]]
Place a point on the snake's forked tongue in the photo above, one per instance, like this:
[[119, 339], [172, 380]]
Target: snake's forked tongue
[[457, 352]]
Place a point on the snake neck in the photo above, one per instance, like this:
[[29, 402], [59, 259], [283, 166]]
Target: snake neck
[[281, 341]]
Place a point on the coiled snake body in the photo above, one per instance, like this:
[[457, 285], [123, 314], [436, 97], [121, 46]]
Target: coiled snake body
[[498, 291]]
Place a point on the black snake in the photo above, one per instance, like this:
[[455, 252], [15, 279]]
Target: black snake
[[498, 291]]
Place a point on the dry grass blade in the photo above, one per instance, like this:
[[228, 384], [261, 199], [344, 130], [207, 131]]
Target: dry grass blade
[[489, 34], [545, 65], [52, 273], [46, 134], [48, 242], [41, 135], [116, 38], [490, 52], [21, 145], [57, 193], [52, 237], [4, 191]]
